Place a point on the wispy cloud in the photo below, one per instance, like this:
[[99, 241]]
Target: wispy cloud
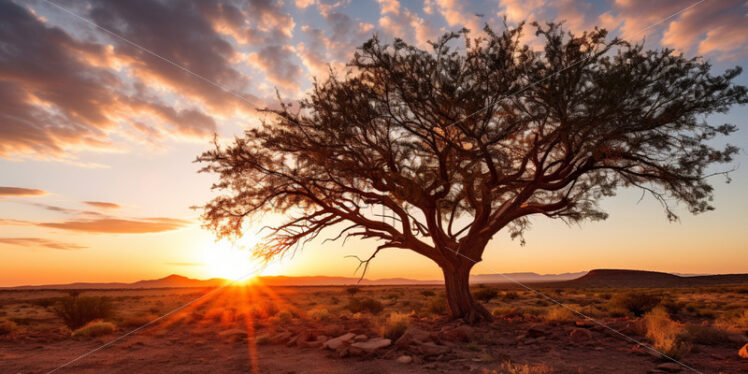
[[41, 243], [18, 191], [102, 204], [119, 226]]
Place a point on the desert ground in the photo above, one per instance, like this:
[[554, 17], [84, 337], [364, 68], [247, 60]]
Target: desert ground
[[374, 329]]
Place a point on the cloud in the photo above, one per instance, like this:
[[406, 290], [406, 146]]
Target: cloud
[[276, 61], [119, 226], [40, 242], [18, 191], [102, 204], [404, 24], [184, 263], [60, 95], [719, 28]]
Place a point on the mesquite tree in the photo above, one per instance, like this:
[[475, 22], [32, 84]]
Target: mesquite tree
[[460, 142]]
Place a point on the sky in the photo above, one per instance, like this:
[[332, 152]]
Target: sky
[[104, 105]]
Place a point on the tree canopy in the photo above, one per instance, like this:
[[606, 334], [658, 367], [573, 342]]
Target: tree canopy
[[460, 142]]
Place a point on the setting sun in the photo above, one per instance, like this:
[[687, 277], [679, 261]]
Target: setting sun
[[234, 260], [225, 259]]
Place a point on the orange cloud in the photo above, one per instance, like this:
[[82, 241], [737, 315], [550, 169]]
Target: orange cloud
[[120, 226], [40, 242], [18, 191], [102, 204]]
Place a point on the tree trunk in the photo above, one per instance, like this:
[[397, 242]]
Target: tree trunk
[[460, 301]]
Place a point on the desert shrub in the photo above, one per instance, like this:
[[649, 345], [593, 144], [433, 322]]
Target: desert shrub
[[485, 294], [334, 300], [508, 367], [437, 305], [503, 311], [214, 314], [94, 329], [708, 335], [428, 293], [45, 302], [734, 322], [392, 296], [285, 316], [6, 327], [319, 314], [560, 314], [509, 295], [137, 321], [78, 311], [265, 310], [667, 336], [636, 303], [395, 325], [352, 290], [366, 304]]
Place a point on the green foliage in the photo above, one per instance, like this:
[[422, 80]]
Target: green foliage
[[77, 311]]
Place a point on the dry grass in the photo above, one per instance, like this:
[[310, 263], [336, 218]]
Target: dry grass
[[94, 329], [6, 327], [395, 325], [667, 336]]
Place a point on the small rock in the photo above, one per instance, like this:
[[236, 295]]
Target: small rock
[[737, 338], [372, 344], [580, 335], [404, 359], [431, 349], [360, 338], [670, 367], [281, 337], [585, 324], [534, 332], [340, 341], [233, 334], [462, 333], [743, 351], [413, 335]]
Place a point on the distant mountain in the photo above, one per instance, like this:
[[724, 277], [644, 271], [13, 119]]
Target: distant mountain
[[594, 278], [172, 281], [524, 277], [641, 278]]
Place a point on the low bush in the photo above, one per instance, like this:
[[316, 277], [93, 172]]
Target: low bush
[[352, 290], [707, 335], [6, 327], [437, 305], [667, 336], [428, 293], [560, 314], [395, 325], [319, 314], [366, 304], [637, 303], [510, 295], [94, 329], [77, 311], [485, 294]]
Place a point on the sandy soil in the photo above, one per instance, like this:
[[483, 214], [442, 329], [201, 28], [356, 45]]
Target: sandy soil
[[217, 337]]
